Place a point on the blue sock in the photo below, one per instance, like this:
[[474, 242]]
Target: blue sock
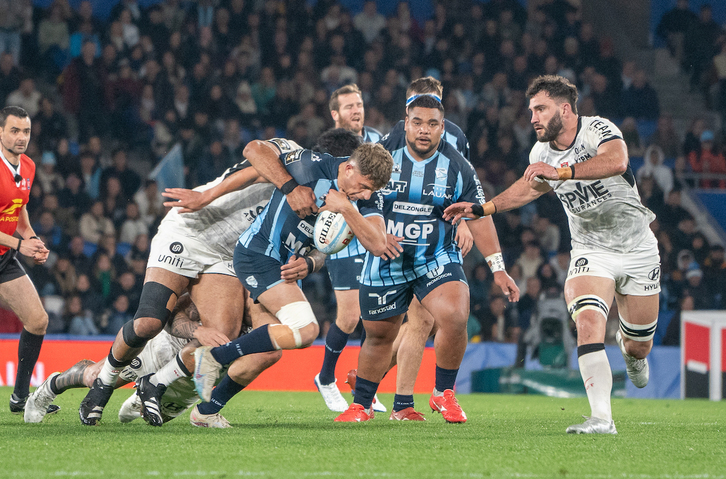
[[224, 391], [364, 392], [335, 341], [402, 401], [256, 341], [445, 378]]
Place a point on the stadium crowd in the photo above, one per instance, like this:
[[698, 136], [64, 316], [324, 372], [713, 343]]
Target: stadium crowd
[[109, 98]]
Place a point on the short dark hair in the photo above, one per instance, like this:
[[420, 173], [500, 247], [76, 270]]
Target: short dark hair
[[557, 87], [11, 111], [333, 104], [338, 142], [426, 101], [425, 85]]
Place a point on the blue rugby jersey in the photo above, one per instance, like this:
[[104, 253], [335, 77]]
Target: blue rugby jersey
[[278, 232], [370, 135], [413, 204], [453, 135]]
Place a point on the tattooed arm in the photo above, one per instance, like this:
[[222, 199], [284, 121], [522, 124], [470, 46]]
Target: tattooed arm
[[186, 324]]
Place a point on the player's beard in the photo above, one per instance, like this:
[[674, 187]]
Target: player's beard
[[423, 153], [349, 126], [551, 130]]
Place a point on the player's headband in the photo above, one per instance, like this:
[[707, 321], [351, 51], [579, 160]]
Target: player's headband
[[413, 97]]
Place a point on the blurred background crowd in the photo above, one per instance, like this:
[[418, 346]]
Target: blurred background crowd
[[110, 93]]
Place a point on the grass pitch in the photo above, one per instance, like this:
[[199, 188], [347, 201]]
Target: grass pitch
[[284, 434]]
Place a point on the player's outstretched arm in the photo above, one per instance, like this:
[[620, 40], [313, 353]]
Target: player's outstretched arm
[[265, 157], [190, 200], [370, 231], [611, 160], [516, 196]]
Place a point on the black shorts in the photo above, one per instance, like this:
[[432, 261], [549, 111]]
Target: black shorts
[[10, 267]]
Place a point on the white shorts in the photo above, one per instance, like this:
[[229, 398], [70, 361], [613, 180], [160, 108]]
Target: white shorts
[[180, 395], [636, 273], [186, 256]]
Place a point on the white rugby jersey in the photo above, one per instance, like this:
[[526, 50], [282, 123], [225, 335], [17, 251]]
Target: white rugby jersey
[[221, 222], [604, 214]]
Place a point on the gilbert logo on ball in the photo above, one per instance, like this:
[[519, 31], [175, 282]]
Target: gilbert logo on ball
[[332, 234]]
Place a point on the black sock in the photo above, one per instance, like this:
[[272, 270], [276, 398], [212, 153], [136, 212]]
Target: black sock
[[224, 391], [402, 401], [28, 352], [364, 392], [256, 341], [445, 378], [335, 342]]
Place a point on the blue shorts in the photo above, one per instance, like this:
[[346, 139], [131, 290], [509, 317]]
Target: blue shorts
[[345, 272], [382, 302], [256, 271]]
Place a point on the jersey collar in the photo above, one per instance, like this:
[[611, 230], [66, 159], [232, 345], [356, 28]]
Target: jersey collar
[[12, 170]]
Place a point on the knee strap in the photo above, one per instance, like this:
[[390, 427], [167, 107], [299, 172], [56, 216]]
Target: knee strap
[[585, 302], [155, 302], [638, 332], [294, 317], [132, 339]]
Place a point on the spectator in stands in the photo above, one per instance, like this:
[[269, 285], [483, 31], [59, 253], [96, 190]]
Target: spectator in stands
[[64, 275], [673, 26], [84, 92], [653, 166], [479, 286], [114, 202], [700, 45], [26, 97], [499, 323], [94, 224], [133, 224], [708, 160], [640, 100], [52, 125], [714, 270], [72, 197], [673, 332], [78, 319], [673, 212], [530, 259], [150, 202], [650, 193], [53, 40], [77, 256], [692, 141], [127, 285], [629, 128], [92, 301], [666, 137], [10, 75], [47, 177], [107, 247], [130, 180], [119, 315]]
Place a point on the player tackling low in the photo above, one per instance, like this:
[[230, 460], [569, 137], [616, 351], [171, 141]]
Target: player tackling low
[[614, 252]]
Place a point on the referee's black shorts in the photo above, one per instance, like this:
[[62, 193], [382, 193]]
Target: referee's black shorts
[[10, 267]]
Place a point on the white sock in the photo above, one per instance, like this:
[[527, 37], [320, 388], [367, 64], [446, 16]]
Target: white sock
[[168, 373], [598, 379], [109, 373]]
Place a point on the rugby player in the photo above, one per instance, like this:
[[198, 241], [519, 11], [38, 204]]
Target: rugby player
[[280, 232], [191, 251], [344, 267], [428, 175], [614, 253]]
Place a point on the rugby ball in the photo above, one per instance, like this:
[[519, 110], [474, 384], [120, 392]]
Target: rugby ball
[[332, 234]]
